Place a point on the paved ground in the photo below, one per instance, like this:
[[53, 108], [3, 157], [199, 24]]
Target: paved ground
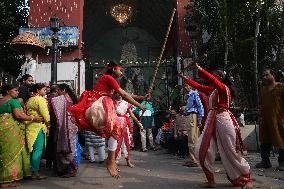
[[153, 170]]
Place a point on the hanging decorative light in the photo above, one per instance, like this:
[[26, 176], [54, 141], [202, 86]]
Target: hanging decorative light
[[121, 12]]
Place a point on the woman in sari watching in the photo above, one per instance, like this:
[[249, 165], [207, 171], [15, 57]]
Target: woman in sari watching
[[66, 133], [14, 162], [36, 131]]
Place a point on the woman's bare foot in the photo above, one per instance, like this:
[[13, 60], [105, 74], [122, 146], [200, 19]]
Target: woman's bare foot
[[112, 168], [249, 185], [129, 164], [37, 176], [6, 185], [15, 184], [69, 174], [116, 165], [208, 185]]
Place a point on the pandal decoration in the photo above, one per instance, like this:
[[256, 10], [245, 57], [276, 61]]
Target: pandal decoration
[[27, 41]]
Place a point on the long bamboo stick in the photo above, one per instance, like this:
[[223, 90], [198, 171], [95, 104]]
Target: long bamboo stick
[[152, 84]]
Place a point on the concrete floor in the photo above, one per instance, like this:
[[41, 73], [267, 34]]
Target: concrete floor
[[153, 170]]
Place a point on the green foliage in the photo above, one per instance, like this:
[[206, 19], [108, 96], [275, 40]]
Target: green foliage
[[11, 18], [231, 26]]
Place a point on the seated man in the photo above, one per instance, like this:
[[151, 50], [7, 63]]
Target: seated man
[[180, 133]]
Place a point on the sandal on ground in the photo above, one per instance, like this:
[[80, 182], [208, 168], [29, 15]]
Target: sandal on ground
[[190, 164], [68, 175], [8, 185], [38, 177]]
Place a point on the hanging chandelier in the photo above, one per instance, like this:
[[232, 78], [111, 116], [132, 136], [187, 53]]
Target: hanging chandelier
[[121, 12]]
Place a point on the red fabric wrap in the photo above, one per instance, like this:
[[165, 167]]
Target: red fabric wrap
[[104, 87], [210, 132], [241, 180], [127, 120], [78, 110], [124, 137], [112, 126], [239, 141]]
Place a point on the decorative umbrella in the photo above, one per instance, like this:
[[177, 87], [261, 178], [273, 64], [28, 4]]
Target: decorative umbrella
[[27, 41]]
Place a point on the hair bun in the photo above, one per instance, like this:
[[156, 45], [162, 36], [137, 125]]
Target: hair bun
[[113, 63]]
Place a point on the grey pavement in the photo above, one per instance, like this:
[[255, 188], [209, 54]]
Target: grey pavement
[[153, 170]]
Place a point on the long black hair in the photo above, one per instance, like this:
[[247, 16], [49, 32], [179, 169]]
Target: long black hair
[[37, 86], [228, 81], [109, 70], [7, 87], [53, 88], [69, 91]]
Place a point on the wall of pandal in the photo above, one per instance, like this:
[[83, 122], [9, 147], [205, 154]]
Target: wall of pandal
[[71, 14]]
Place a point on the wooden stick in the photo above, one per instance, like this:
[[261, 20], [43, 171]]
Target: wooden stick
[[152, 84]]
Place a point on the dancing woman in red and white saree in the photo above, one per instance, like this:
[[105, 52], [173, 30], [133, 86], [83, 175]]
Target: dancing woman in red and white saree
[[221, 132], [96, 112]]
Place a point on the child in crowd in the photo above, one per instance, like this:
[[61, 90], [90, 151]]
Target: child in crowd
[[180, 132], [93, 141], [147, 122], [123, 110]]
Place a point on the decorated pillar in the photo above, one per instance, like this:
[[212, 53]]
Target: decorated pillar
[[183, 38]]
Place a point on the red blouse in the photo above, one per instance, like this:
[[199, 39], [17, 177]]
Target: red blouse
[[106, 84], [205, 102], [223, 91]]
